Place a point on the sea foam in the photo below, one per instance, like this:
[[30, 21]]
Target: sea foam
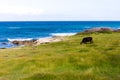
[[14, 27], [20, 39], [62, 34]]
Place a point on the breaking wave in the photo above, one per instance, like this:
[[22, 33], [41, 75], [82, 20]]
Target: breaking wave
[[20, 39], [62, 34], [14, 27]]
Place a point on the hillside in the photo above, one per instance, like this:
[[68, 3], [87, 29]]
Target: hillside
[[65, 60]]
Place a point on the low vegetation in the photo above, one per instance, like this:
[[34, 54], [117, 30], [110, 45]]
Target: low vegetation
[[65, 60]]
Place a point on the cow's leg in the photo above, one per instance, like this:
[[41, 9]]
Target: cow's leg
[[91, 41], [81, 43], [85, 42]]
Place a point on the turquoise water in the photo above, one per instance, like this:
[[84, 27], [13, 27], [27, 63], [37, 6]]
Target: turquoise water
[[33, 30]]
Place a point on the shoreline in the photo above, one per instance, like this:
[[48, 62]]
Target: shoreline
[[50, 40], [55, 37], [13, 43]]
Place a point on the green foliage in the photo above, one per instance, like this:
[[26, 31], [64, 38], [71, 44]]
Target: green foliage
[[66, 60]]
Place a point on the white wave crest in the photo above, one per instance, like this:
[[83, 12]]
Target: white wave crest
[[19, 39], [62, 34], [14, 27], [118, 28]]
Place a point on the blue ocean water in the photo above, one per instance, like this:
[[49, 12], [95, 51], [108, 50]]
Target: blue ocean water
[[39, 29]]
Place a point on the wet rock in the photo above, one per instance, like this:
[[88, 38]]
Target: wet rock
[[4, 43], [26, 42]]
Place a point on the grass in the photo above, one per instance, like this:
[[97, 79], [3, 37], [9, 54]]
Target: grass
[[66, 60]]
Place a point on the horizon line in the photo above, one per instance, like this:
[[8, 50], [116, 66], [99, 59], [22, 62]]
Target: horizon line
[[66, 21]]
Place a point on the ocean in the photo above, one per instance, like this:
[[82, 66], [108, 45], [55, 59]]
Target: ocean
[[38, 29]]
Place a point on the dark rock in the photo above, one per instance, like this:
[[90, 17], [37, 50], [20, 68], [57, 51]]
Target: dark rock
[[26, 42], [2, 48], [4, 43], [16, 42]]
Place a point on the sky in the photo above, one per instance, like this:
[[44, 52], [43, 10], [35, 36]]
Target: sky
[[59, 10]]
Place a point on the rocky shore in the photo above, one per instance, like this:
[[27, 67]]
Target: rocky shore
[[25, 42], [39, 41], [36, 42]]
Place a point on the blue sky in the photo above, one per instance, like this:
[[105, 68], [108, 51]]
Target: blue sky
[[59, 10]]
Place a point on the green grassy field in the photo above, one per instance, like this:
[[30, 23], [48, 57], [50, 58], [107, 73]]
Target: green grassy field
[[66, 60]]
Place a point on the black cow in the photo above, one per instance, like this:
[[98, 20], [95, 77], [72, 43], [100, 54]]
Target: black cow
[[87, 39]]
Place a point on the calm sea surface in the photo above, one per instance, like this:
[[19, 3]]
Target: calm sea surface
[[34, 30]]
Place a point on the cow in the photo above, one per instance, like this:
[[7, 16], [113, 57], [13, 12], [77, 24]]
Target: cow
[[86, 40]]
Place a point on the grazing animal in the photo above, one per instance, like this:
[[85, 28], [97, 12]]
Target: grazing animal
[[86, 40]]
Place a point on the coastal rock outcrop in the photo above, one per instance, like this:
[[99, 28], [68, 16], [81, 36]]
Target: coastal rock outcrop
[[38, 41], [26, 42], [99, 30]]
